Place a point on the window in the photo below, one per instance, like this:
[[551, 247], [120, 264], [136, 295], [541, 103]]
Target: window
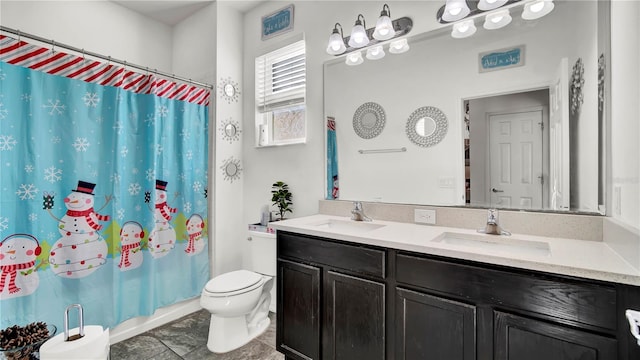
[[280, 96]]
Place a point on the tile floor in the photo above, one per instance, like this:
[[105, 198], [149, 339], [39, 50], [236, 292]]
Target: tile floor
[[186, 338]]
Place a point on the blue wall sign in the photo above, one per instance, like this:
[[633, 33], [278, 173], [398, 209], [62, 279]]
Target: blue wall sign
[[277, 23], [501, 59]]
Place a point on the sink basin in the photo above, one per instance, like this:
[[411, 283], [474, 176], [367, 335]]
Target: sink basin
[[498, 244], [348, 226]]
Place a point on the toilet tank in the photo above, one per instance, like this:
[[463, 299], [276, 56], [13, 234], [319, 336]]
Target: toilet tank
[[261, 253], [260, 256]]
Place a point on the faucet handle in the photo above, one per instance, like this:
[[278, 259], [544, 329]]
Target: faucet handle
[[492, 216], [357, 205]]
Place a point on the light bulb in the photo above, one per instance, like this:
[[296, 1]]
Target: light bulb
[[384, 26], [463, 29], [497, 20], [537, 9], [455, 11]]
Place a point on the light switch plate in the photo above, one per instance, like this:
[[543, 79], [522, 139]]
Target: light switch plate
[[425, 216]]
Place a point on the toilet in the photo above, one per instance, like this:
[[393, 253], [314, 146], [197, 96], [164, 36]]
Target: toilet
[[239, 301]]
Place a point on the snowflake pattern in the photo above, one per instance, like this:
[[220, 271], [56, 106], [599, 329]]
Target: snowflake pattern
[[185, 135], [162, 111], [27, 192], [3, 75], [33, 217], [3, 112], [187, 207], [182, 177], [115, 178], [138, 208], [117, 126], [91, 99], [55, 108], [81, 144], [197, 186], [7, 142], [28, 168], [134, 189], [4, 223], [124, 151], [120, 214], [56, 139], [52, 174], [150, 120], [159, 149], [151, 174], [189, 155], [25, 97]]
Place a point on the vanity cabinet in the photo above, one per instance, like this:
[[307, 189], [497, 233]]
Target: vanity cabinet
[[331, 299], [341, 300]]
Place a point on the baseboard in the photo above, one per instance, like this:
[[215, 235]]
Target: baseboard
[[141, 324]]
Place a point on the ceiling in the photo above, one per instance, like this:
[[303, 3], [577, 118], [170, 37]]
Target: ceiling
[[171, 12]]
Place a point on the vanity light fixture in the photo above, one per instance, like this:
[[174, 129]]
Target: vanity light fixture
[[375, 52], [373, 38], [359, 37], [497, 20], [384, 27], [496, 14], [336, 41], [537, 9]]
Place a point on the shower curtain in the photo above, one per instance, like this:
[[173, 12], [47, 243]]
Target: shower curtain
[[333, 188], [103, 188]]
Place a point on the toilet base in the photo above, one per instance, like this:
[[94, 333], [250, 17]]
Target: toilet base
[[227, 334]]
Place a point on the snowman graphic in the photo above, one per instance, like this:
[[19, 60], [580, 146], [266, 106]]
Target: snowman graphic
[[195, 227], [131, 235], [18, 276], [163, 237], [81, 249]]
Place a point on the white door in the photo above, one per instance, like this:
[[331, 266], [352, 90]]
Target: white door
[[515, 146], [559, 162]]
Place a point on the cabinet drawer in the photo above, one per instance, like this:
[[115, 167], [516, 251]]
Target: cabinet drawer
[[353, 258], [561, 298]]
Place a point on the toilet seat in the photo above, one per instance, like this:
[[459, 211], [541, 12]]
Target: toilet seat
[[233, 283]]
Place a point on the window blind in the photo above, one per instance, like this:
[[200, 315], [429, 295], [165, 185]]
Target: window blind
[[281, 77]]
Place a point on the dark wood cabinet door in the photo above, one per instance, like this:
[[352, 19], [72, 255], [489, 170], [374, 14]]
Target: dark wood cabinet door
[[355, 318], [298, 313], [520, 338], [433, 328]]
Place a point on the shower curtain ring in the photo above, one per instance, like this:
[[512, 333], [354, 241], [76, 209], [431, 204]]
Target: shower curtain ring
[[53, 46]]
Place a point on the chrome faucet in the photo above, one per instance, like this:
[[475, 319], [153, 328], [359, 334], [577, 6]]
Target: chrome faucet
[[493, 227], [357, 214]]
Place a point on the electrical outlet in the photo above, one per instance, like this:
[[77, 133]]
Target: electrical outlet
[[424, 216], [446, 182]]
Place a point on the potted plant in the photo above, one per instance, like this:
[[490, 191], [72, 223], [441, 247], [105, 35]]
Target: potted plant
[[281, 197]]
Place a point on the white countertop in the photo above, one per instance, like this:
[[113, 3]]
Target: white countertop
[[580, 258]]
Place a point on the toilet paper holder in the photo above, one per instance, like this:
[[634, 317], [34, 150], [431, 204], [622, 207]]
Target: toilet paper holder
[[80, 333]]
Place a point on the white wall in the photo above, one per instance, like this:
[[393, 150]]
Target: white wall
[[101, 27], [230, 228], [625, 110]]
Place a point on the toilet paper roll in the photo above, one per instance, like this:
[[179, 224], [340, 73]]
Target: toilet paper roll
[[94, 345]]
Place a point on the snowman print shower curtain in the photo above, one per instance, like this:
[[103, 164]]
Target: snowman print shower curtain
[[103, 188]]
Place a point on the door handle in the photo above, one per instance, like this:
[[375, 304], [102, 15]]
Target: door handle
[[496, 190]]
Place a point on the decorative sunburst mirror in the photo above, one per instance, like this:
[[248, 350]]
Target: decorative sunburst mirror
[[576, 86], [230, 130], [229, 90], [231, 169]]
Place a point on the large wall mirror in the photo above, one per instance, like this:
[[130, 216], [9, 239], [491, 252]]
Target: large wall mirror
[[512, 139]]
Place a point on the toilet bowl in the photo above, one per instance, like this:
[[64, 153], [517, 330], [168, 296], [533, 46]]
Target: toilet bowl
[[239, 305], [239, 301]]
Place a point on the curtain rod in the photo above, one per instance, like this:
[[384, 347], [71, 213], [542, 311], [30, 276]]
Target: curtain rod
[[103, 57]]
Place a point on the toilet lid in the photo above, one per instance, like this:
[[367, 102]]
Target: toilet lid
[[232, 281]]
